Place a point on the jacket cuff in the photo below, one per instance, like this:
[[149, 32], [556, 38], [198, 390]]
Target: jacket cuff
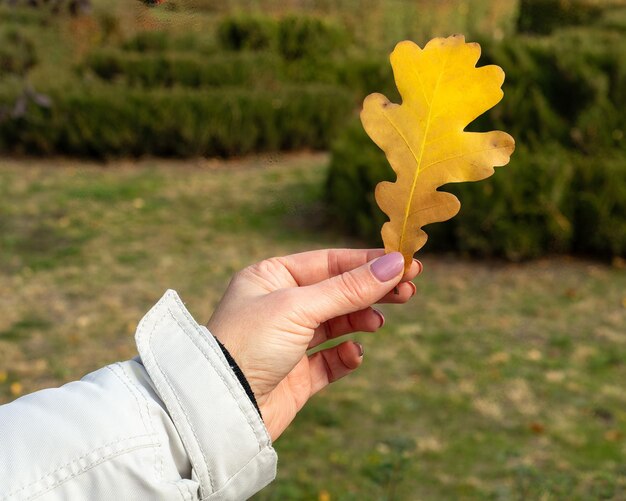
[[227, 443]]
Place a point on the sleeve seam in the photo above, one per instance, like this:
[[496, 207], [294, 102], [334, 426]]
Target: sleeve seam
[[88, 466], [153, 361], [183, 494], [122, 380], [253, 458], [158, 457], [195, 334]]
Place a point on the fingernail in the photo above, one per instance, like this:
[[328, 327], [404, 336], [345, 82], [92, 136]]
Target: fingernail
[[412, 287], [381, 317], [359, 347], [388, 266], [419, 263]]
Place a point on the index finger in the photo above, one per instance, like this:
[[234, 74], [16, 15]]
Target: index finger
[[311, 267]]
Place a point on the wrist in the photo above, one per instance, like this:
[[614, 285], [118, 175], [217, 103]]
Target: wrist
[[240, 376]]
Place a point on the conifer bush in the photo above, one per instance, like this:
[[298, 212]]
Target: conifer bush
[[167, 69], [361, 73], [148, 41], [545, 16], [114, 120], [599, 189], [305, 36], [568, 88], [293, 36], [565, 188], [247, 32], [17, 52], [546, 200]]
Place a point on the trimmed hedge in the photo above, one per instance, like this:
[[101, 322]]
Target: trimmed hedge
[[545, 16], [357, 165], [162, 41], [166, 69], [147, 41], [117, 121], [294, 37], [246, 32], [599, 189], [361, 73], [565, 189], [614, 19], [303, 36], [544, 201], [568, 88], [17, 52]]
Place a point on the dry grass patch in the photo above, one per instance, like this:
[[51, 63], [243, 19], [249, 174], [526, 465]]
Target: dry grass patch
[[498, 381]]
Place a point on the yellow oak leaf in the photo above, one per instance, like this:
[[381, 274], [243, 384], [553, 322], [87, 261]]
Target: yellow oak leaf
[[442, 92]]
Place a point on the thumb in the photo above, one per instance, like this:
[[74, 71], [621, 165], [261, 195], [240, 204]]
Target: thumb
[[353, 290]]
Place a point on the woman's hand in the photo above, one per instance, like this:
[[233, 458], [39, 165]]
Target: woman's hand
[[276, 310]]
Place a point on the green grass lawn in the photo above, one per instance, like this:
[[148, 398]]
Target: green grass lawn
[[498, 381]]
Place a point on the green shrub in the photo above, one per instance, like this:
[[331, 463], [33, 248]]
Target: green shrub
[[162, 41], [357, 165], [545, 16], [165, 69], [304, 36], [17, 52], [565, 97], [103, 121], [361, 73], [569, 88], [294, 37], [147, 41], [246, 32], [523, 211], [546, 200], [23, 16], [600, 209], [613, 19]]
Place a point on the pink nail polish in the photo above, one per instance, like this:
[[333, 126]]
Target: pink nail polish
[[381, 317], [388, 266], [359, 347], [421, 266]]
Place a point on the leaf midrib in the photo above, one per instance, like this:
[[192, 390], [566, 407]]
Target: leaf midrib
[[421, 153]]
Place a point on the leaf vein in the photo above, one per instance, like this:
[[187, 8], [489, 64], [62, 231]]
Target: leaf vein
[[462, 155], [419, 161], [419, 79]]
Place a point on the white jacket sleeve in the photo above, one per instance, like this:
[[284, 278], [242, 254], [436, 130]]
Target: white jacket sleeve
[[176, 424]]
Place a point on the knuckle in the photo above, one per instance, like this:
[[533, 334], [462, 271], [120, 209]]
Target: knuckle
[[269, 273], [333, 263], [238, 277], [265, 267]]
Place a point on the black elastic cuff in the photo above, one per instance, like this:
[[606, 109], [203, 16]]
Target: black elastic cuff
[[240, 376]]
